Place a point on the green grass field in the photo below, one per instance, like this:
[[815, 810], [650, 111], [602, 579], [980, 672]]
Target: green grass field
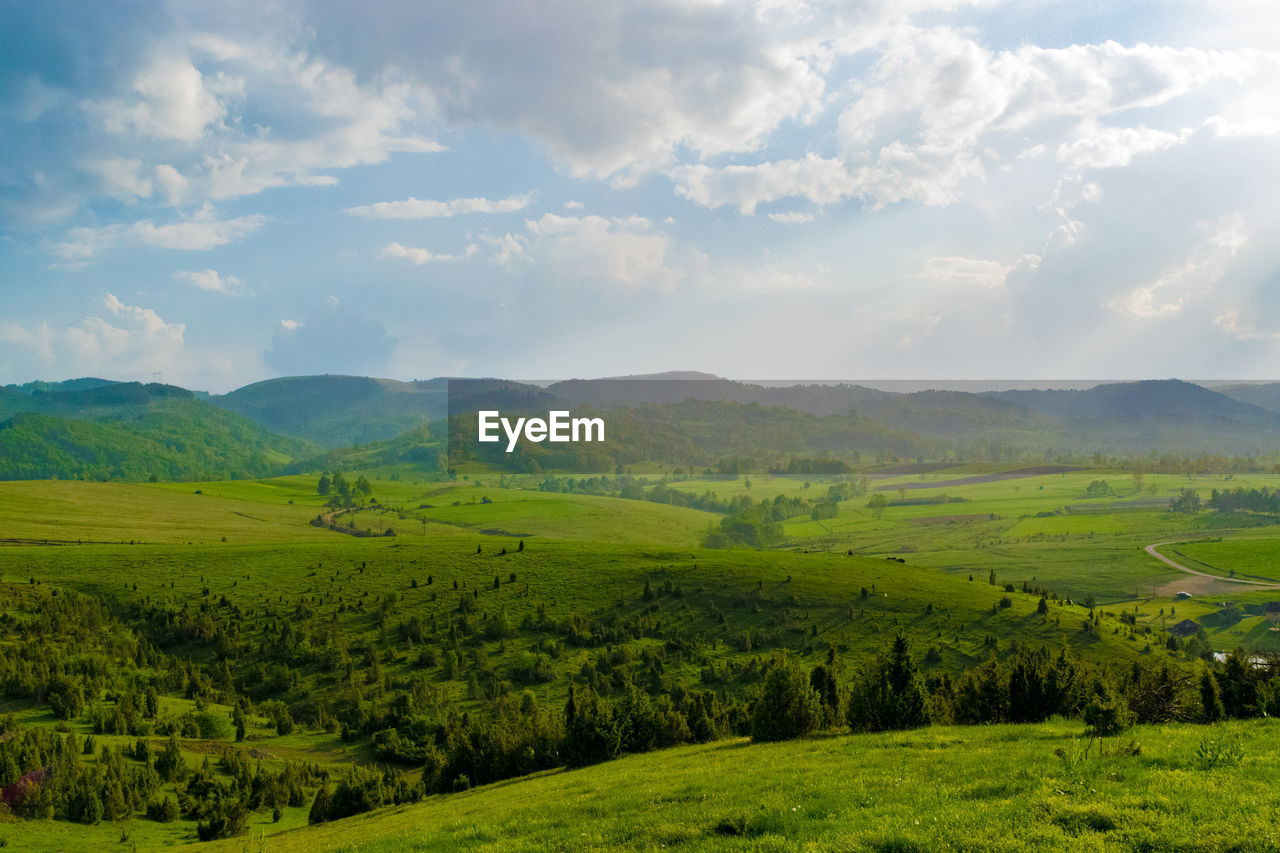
[[245, 554], [1002, 788]]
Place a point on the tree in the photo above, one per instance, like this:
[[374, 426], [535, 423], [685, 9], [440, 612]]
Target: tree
[[324, 484], [788, 706], [1106, 713], [169, 763], [1211, 698], [890, 695], [877, 504], [363, 487], [590, 731], [226, 817], [320, 806], [1188, 501]]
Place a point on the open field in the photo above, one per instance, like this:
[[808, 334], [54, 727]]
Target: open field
[[233, 578]]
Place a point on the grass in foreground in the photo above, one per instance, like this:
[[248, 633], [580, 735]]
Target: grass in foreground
[[1033, 787]]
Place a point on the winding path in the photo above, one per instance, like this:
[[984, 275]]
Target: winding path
[[1151, 549]]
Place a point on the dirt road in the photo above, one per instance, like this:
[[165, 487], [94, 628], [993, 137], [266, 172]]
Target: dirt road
[[1204, 582]]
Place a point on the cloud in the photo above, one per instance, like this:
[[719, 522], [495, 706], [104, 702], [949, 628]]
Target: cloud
[[966, 272], [418, 256], [621, 251], [121, 179], [413, 208], [1110, 147], [508, 249], [820, 180], [1189, 279], [130, 342], [792, 217], [607, 88], [171, 183], [170, 99], [937, 109], [210, 280], [198, 234], [1230, 323]]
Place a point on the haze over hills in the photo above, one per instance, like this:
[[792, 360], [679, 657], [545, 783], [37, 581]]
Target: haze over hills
[[1158, 414], [1263, 394]]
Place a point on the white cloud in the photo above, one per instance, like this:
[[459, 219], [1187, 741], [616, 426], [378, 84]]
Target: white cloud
[[418, 256], [822, 181], [573, 205], [197, 234], [171, 99], [1230, 323], [130, 342], [621, 251], [290, 325], [121, 179], [1110, 147], [508, 249], [967, 272], [792, 217], [610, 89], [414, 208], [210, 280], [171, 183], [1189, 279]]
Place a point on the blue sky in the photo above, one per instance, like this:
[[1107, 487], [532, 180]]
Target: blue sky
[[224, 192]]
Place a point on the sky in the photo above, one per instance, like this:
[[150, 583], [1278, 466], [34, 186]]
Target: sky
[[211, 194]]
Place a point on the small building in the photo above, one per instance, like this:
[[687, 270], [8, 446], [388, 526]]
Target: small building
[[1186, 628]]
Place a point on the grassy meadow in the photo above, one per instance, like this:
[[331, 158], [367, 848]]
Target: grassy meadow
[[239, 564], [1005, 788]]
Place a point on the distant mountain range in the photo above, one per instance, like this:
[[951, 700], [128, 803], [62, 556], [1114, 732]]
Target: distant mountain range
[[100, 429]]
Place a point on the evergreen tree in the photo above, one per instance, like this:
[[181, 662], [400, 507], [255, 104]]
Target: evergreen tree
[[1210, 699], [590, 731], [890, 695], [788, 707]]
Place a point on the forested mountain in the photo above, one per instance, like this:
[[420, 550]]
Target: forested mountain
[[338, 411], [129, 431], [1265, 395], [676, 387], [1154, 414], [691, 420]]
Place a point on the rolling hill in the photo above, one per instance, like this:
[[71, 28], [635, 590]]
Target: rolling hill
[[130, 431], [1154, 414], [338, 411]]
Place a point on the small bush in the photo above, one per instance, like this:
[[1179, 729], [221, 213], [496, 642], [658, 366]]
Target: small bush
[[1215, 750]]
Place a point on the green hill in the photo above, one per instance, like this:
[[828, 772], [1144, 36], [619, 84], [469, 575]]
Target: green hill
[[139, 437], [338, 411]]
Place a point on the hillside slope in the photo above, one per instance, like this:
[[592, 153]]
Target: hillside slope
[[338, 411], [991, 788], [1154, 414], [137, 435]]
